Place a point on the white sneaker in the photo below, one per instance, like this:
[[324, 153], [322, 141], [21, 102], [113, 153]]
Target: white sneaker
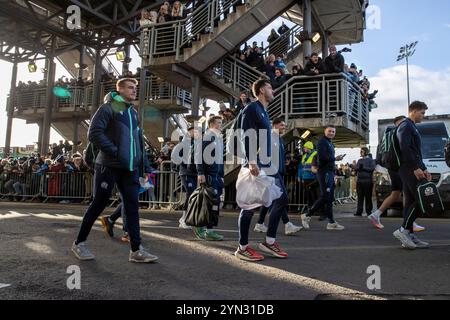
[[260, 227], [305, 221], [335, 226], [183, 225], [290, 228], [82, 252], [375, 219], [419, 243], [405, 239], [418, 228], [182, 222], [142, 256]]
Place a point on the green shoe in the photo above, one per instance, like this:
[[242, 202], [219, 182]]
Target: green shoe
[[199, 232], [213, 236]]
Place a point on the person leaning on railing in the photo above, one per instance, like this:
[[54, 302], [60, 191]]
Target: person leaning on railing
[[335, 62], [314, 66]]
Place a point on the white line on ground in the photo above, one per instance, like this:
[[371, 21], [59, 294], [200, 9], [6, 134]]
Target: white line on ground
[[4, 285], [225, 256]]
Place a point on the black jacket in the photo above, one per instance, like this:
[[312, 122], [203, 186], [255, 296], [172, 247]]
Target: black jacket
[[310, 66], [325, 155], [365, 168], [186, 161], [335, 65], [115, 132], [212, 146], [410, 144]]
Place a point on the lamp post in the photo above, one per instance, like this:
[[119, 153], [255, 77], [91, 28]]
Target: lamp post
[[405, 53]]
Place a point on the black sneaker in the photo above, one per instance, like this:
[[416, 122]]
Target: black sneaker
[[108, 226]]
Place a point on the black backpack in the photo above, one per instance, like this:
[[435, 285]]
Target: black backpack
[[90, 155], [430, 201], [390, 151], [447, 153]]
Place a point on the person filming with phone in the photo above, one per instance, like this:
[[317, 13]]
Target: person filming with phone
[[325, 176]]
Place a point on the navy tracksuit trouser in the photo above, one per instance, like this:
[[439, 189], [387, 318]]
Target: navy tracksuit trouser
[[128, 184], [410, 196], [279, 207], [326, 198]]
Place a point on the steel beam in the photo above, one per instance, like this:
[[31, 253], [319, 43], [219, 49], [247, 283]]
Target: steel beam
[[49, 106], [10, 109]]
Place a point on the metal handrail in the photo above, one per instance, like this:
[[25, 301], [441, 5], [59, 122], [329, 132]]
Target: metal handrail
[[238, 74], [321, 96], [170, 38], [81, 96], [285, 44], [106, 62]]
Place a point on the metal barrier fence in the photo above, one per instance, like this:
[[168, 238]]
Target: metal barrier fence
[[167, 191], [343, 192], [78, 187]]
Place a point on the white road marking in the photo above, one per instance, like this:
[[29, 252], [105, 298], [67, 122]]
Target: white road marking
[[4, 285], [225, 256]]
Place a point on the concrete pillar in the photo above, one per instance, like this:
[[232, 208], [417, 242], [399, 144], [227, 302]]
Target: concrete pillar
[[97, 82], [307, 27], [195, 95], [126, 64], [46, 70], [10, 110], [81, 62], [76, 124], [165, 125], [48, 106], [40, 123], [142, 84], [325, 45]]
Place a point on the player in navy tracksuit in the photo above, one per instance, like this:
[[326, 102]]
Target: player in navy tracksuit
[[412, 170], [115, 132], [325, 176], [183, 154], [210, 168], [258, 151]]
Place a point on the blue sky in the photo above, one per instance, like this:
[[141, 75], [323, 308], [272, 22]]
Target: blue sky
[[401, 22], [404, 21]]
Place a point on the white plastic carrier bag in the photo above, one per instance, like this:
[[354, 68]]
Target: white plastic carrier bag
[[253, 192]]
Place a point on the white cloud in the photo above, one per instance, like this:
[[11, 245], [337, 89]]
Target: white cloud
[[432, 87]]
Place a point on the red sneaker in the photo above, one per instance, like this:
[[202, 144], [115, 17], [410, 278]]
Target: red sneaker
[[273, 249], [125, 238], [249, 254]]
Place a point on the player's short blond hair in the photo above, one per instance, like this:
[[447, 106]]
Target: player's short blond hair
[[121, 82]]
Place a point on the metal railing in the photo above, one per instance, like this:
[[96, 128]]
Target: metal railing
[[237, 74], [323, 96], [78, 187], [81, 96], [343, 192], [67, 187], [171, 37], [106, 62], [285, 44]]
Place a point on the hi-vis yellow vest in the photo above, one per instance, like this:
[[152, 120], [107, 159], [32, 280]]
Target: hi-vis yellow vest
[[307, 160]]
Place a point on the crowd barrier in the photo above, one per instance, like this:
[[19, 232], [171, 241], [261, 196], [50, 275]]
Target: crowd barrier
[[167, 191]]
